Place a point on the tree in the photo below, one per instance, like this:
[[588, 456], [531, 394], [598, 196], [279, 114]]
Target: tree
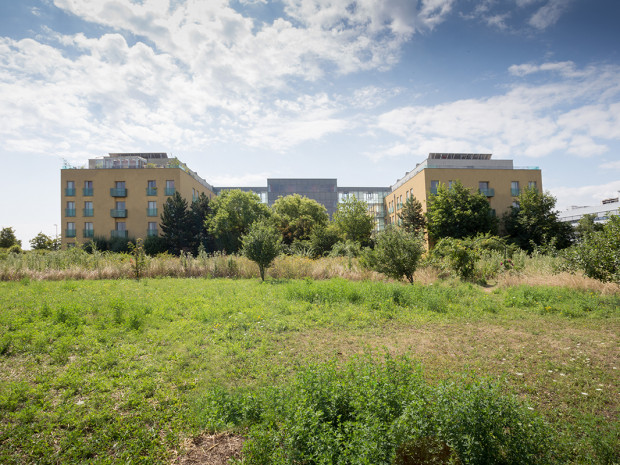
[[176, 224], [323, 239], [412, 217], [233, 213], [43, 242], [534, 222], [262, 244], [296, 217], [353, 221], [199, 213], [587, 226], [8, 238], [457, 212], [397, 253]]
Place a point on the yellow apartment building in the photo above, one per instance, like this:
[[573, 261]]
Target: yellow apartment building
[[122, 195], [499, 180]]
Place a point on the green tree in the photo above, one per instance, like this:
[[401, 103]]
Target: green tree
[[457, 212], [534, 222], [411, 216], [43, 242], [397, 253], [296, 217], [234, 212], [262, 244], [200, 211], [323, 239], [587, 226], [176, 224], [353, 221], [8, 238]]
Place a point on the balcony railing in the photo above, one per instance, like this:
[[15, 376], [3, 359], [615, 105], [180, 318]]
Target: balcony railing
[[152, 232], [89, 233], [151, 191], [170, 190], [117, 233], [489, 192], [69, 211], [118, 213], [69, 232], [151, 212], [515, 191], [88, 212], [70, 191], [118, 192], [87, 191]]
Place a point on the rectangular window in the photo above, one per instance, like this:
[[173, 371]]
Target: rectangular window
[[121, 226], [170, 187], [434, 187], [70, 210], [88, 209], [531, 184], [152, 229], [119, 189], [151, 209], [70, 189], [70, 232], [514, 188], [88, 188], [88, 230], [119, 211], [120, 184], [151, 187], [483, 185], [450, 183]]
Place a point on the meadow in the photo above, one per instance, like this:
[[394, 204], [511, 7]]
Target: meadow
[[109, 371]]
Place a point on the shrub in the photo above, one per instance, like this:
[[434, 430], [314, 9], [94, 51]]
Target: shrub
[[396, 253], [262, 244]]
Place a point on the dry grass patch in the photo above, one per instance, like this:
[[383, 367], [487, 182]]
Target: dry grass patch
[[210, 449]]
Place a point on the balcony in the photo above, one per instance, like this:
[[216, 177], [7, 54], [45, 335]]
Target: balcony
[[152, 233], [151, 191], [515, 191], [488, 192], [69, 211], [89, 233], [69, 232], [122, 234], [170, 190], [88, 212], [118, 213], [151, 212], [87, 192], [118, 192], [70, 191]]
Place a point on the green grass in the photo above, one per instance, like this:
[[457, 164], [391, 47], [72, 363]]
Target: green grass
[[120, 371]]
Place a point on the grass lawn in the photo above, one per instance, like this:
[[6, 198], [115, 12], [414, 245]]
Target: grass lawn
[[117, 371]]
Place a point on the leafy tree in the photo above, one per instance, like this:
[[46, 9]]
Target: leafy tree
[[534, 222], [262, 244], [43, 242], [234, 212], [412, 217], [296, 217], [323, 239], [199, 212], [8, 238], [353, 221], [457, 212], [397, 253], [460, 255], [587, 226], [176, 224], [598, 253]]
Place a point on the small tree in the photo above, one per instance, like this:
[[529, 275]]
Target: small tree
[[262, 244], [138, 260], [42, 242], [176, 224], [353, 221], [397, 253], [8, 238], [412, 216]]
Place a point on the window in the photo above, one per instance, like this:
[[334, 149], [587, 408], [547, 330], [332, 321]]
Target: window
[[70, 210], [119, 210], [151, 209], [121, 226], [70, 232], [119, 189], [514, 188], [483, 185], [120, 184], [88, 188], [450, 183], [152, 229], [531, 184], [70, 189], [151, 187], [170, 187], [88, 230], [88, 209], [434, 186]]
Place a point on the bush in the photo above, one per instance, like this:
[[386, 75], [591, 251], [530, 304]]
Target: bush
[[459, 255], [377, 412], [396, 254], [262, 244]]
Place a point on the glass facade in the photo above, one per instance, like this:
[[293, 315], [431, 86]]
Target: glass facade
[[324, 191]]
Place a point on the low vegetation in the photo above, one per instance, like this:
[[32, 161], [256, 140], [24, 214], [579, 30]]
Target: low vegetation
[[110, 371]]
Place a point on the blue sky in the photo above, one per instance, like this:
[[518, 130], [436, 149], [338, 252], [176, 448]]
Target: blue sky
[[358, 90]]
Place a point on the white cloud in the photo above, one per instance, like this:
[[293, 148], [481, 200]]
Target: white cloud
[[584, 195], [549, 14], [611, 165]]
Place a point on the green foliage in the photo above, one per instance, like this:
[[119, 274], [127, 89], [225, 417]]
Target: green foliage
[[598, 253], [459, 254], [234, 212], [155, 245], [199, 212], [139, 261], [534, 222], [176, 224], [587, 226], [353, 222], [262, 244], [323, 239], [298, 217], [397, 253], [44, 242], [411, 216], [458, 213], [8, 238], [346, 248], [371, 412]]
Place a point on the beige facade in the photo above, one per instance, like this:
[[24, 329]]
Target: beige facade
[[125, 200], [498, 179]]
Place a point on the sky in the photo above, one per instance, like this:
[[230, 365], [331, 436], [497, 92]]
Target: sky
[[358, 90]]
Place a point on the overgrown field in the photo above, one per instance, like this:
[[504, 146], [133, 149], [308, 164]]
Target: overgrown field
[[119, 371]]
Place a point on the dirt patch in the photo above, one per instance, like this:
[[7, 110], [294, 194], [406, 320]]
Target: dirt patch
[[211, 449]]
